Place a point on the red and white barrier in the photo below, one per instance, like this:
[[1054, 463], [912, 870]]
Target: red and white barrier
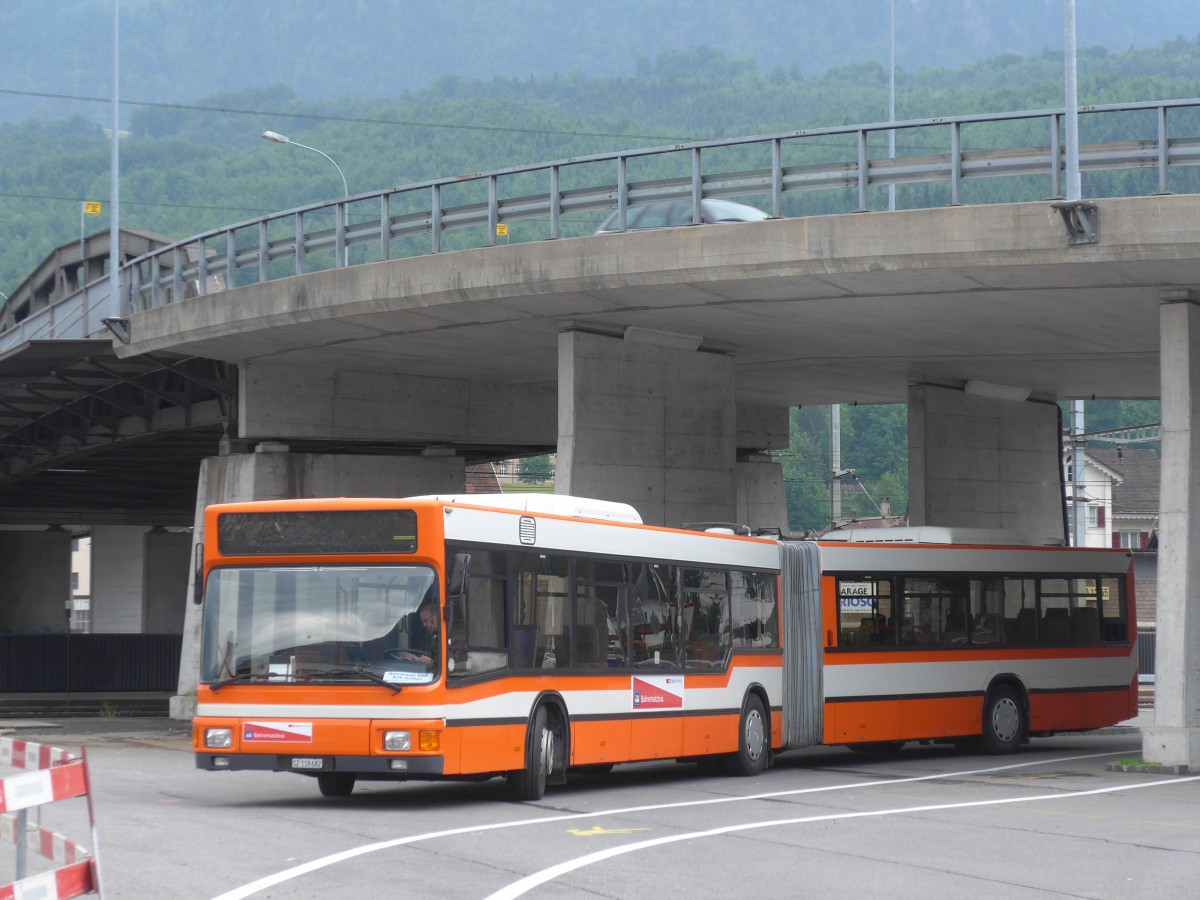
[[72, 881], [50, 844], [57, 775], [31, 755]]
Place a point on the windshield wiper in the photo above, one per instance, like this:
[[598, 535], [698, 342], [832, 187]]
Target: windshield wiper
[[357, 670], [234, 679]]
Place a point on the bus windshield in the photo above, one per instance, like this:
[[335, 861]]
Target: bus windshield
[[321, 624]]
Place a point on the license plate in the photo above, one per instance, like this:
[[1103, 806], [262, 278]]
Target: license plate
[[307, 762]]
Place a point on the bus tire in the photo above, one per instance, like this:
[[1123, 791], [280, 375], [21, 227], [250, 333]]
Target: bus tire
[[1003, 721], [754, 740], [335, 784], [529, 783]]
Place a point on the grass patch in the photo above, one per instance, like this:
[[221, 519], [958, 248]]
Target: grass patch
[[1135, 761]]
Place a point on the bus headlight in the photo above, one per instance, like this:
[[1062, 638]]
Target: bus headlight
[[218, 738], [397, 740]]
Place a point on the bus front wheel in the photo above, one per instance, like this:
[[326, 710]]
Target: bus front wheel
[[529, 783], [335, 784], [754, 740], [1003, 720]]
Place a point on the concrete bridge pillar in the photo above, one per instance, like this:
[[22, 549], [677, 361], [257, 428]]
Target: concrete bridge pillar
[[984, 462], [1174, 739], [650, 420], [138, 577], [272, 473]]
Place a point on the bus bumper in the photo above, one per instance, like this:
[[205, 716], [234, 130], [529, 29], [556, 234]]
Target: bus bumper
[[393, 766]]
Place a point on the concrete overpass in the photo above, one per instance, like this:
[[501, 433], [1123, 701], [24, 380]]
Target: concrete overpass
[[660, 363], [512, 343]]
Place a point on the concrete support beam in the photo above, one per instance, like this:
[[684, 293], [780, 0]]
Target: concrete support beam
[[279, 402], [1174, 739], [35, 580], [648, 424], [984, 462], [275, 474]]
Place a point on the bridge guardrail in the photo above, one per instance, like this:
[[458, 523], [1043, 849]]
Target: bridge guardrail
[[251, 251]]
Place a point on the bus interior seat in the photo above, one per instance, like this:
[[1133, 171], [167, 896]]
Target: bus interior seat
[[1056, 625], [1085, 625], [1026, 625]]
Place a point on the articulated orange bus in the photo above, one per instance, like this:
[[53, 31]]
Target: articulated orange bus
[[530, 636]]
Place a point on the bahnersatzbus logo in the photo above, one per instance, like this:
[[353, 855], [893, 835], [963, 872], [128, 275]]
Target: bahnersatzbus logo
[[657, 692]]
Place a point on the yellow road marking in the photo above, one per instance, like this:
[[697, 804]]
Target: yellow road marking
[[596, 829]]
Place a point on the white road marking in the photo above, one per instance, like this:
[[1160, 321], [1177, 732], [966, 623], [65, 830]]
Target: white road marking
[[268, 881], [517, 888]]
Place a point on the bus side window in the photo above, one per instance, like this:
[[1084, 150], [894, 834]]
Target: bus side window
[[654, 614], [540, 637], [601, 621], [1113, 626], [476, 618], [706, 617], [755, 610], [865, 610]]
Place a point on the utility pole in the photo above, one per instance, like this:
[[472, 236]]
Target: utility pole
[[1077, 459], [835, 464]]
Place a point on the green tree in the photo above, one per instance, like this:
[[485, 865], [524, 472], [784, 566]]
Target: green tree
[[535, 469]]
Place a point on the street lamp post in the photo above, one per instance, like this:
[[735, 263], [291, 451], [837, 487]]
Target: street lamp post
[[276, 138]]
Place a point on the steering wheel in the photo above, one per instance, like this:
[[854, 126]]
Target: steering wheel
[[405, 655]]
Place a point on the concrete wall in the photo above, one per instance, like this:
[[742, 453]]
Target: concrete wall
[[649, 425], [282, 402], [975, 461], [274, 474], [35, 580]]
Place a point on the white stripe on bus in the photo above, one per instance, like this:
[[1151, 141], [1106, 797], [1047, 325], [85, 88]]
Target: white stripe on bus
[[517, 704], [909, 678]]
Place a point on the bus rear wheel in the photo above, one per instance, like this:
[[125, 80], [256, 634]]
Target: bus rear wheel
[[1003, 721], [335, 784], [754, 741], [529, 783]]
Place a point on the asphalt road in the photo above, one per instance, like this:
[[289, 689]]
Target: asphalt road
[[1050, 820]]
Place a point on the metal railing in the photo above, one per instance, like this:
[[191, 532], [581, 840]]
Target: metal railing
[[844, 159], [78, 315]]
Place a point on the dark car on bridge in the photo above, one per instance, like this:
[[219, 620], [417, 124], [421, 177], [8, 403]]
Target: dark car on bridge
[[671, 213]]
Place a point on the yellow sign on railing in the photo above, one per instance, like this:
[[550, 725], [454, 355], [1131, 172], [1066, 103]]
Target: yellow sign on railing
[[92, 207], [501, 230]]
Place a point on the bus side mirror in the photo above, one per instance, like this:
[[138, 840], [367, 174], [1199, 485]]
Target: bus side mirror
[[198, 575], [460, 574]]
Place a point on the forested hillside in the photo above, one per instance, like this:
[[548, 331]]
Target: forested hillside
[[172, 51], [185, 169]]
